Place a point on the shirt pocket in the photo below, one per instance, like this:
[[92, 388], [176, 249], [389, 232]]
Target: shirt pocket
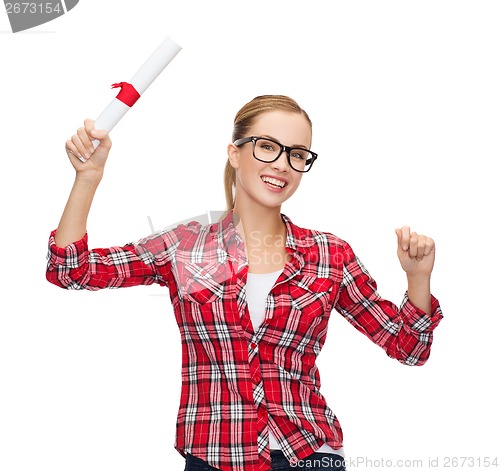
[[204, 282], [310, 295]]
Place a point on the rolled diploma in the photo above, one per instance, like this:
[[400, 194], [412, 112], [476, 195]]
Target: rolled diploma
[[143, 78]]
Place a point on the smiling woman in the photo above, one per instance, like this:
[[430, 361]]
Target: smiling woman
[[252, 296]]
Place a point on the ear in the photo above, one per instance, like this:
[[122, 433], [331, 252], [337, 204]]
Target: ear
[[233, 154]]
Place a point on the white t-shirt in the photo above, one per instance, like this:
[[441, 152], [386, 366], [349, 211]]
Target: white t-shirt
[[257, 288]]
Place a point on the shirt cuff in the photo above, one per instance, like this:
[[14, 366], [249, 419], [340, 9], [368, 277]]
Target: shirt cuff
[[417, 319], [71, 256]]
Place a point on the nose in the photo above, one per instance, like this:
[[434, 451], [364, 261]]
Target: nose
[[281, 164]]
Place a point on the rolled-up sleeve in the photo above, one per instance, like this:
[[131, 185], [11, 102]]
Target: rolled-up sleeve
[[143, 262], [405, 333]]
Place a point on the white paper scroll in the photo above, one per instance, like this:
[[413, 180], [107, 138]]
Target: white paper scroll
[[143, 78]]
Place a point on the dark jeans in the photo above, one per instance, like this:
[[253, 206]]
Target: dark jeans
[[314, 462]]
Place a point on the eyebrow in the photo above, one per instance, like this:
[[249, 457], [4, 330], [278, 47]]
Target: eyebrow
[[301, 146]]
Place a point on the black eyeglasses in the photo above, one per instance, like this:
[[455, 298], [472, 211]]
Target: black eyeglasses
[[267, 150]]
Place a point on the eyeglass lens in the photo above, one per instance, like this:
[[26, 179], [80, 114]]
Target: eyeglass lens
[[267, 151]]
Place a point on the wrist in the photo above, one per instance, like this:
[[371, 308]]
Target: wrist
[[419, 284], [89, 180], [420, 278], [419, 292]]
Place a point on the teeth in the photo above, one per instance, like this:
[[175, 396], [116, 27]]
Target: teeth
[[274, 181]]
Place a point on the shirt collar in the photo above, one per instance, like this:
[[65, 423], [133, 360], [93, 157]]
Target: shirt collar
[[297, 238]]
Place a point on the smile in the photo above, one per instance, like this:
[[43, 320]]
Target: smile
[[274, 182]]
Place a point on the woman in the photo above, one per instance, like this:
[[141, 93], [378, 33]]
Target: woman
[[252, 295]]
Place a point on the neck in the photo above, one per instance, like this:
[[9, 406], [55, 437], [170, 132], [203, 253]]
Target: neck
[[258, 224]]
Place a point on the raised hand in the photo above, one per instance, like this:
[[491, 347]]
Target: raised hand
[[87, 161], [416, 252]]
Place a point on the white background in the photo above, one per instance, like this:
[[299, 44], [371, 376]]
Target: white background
[[404, 99]]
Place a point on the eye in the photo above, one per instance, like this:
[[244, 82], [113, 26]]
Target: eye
[[268, 146], [299, 154]]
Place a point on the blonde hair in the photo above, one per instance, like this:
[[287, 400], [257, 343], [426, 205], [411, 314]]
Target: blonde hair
[[243, 121]]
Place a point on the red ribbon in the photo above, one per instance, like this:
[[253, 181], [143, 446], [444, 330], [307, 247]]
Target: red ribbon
[[128, 94]]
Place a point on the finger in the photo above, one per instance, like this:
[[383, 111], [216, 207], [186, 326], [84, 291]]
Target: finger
[[88, 148], [429, 246], [421, 243], [71, 148], [89, 127], [405, 238], [72, 151], [89, 124], [80, 150], [413, 244]]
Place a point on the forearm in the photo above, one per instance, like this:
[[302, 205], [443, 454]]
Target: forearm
[[73, 223], [419, 292]]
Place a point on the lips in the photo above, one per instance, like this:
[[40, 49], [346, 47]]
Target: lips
[[274, 182]]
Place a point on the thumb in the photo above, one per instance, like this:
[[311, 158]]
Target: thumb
[[101, 135]]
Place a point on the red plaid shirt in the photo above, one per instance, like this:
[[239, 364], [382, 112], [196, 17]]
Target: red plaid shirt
[[236, 381]]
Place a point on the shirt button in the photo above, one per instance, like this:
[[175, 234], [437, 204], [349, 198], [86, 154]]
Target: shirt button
[[262, 412], [267, 321], [252, 345], [256, 379]]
